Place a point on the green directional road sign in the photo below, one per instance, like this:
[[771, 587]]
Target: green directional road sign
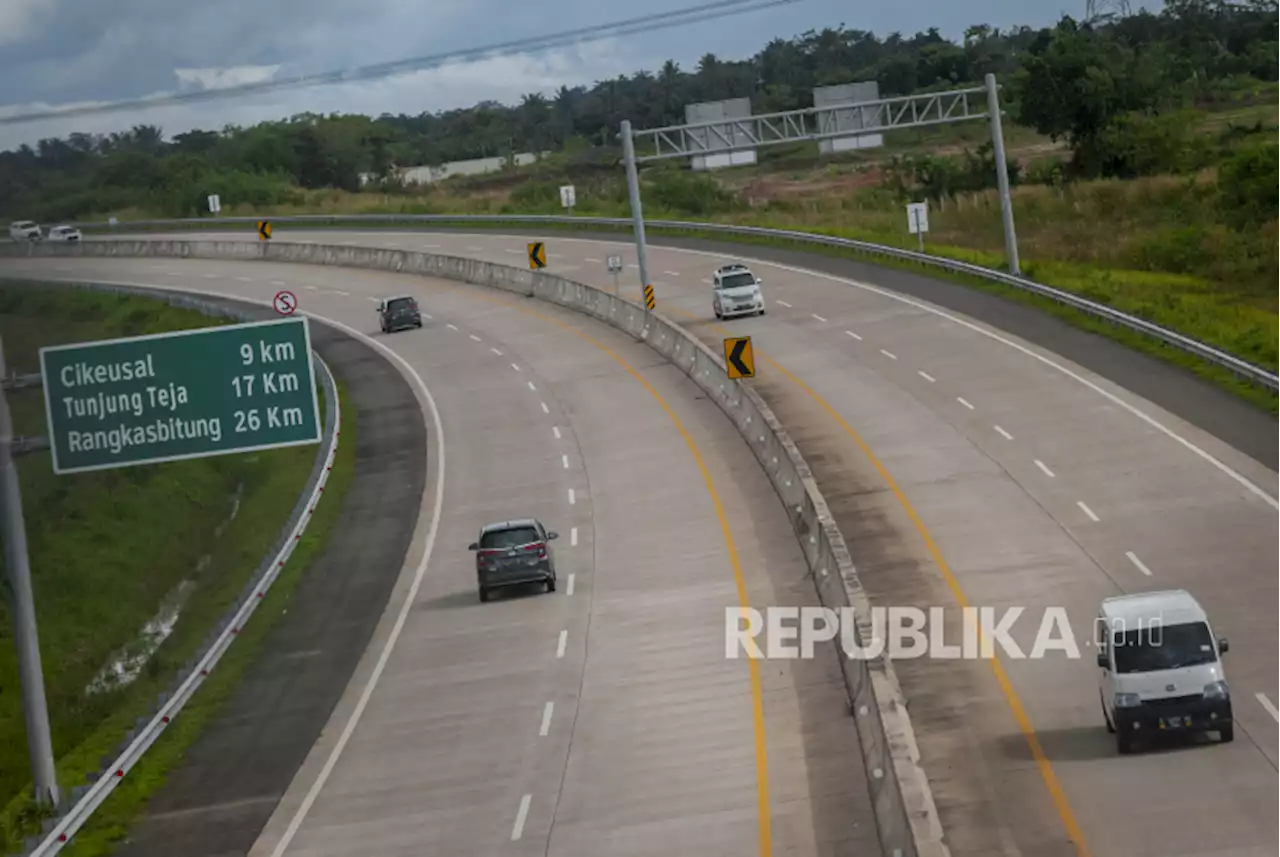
[[187, 394]]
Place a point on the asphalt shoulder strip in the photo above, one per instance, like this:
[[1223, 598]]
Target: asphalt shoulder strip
[[217, 801]]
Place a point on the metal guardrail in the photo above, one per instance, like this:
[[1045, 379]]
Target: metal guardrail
[[85, 800], [1242, 368]]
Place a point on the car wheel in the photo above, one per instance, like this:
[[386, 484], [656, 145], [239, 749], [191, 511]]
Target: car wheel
[[1227, 733], [484, 594], [1105, 717], [1124, 744], [551, 584]]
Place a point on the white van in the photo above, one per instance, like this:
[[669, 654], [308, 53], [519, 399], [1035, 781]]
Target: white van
[[1161, 668]]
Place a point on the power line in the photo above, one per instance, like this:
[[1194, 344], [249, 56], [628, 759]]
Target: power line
[[533, 44]]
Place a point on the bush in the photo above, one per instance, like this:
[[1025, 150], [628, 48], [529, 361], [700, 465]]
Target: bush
[[1247, 185], [687, 193], [1145, 144]]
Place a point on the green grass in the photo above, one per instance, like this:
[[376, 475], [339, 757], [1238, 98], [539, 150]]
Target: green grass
[[112, 820], [106, 549]]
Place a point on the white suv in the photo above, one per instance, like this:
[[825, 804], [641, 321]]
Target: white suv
[[736, 292], [64, 233], [24, 230]]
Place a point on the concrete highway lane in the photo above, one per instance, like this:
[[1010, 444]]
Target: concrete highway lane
[[968, 466], [602, 719]]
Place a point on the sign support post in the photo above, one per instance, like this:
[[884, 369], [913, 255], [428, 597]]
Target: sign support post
[[1002, 175], [637, 216], [17, 565]]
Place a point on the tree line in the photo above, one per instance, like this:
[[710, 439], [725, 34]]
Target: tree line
[[1109, 88]]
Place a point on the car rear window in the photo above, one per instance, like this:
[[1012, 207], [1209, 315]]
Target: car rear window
[[499, 539], [401, 304]]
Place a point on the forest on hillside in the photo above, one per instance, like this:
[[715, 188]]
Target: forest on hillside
[[1110, 89]]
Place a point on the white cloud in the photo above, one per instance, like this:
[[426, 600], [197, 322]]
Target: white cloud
[[504, 79], [214, 78]]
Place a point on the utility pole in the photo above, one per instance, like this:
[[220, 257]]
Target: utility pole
[[1002, 175], [18, 569], [633, 192]]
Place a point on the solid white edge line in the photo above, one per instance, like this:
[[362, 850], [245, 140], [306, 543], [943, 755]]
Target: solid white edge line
[[1133, 558], [573, 537], [561, 643], [569, 590], [1087, 511], [518, 829], [1044, 468], [418, 574], [325, 772], [547, 710]]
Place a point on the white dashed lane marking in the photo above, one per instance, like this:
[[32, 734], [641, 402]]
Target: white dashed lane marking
[[1267, 704], [496, 351], [531, 387], [518, 830], [545, 409], [515, 366], [672, 273], [818, 317], [573, 537], [474, 337], [1004, 433], [556, 431], [564, 640], [889, 354], [546, 718], [1047, 471], [573, 498], [963, 402], [564, 459], [244, 280], [854, 335], [453, 327], [926, 376], [783, 303], [569, 589], [1087, 511], [1133, 558]]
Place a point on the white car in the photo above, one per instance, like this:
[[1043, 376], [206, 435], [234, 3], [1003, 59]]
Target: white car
[[24, 230], [736, 292], [1161, 668], [64, 233]]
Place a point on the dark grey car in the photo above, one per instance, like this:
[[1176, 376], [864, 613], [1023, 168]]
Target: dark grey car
[[511, 553], [398, 313]]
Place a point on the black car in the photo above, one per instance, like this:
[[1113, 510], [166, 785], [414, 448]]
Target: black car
[[398, 313], [511, 553]]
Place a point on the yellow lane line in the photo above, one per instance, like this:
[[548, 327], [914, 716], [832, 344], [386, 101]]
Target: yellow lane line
[[757, 693], [1047, 773]]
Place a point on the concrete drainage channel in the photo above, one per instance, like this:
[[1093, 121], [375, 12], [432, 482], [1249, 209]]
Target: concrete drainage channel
[[83, 800], [906, 817]]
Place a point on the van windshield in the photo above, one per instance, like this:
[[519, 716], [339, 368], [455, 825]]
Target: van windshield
[[737, 281], [1163, 647]]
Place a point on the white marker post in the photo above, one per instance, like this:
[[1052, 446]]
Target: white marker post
[[568, 197], [918, 220], [615, 265], [215, 204]]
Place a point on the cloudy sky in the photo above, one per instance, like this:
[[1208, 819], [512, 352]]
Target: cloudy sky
[[60, 52]]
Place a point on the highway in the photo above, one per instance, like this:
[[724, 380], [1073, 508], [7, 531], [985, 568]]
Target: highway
[[602, 719], [966, 465]]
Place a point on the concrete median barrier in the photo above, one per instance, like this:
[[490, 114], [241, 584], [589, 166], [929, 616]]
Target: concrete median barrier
[[906, 816]]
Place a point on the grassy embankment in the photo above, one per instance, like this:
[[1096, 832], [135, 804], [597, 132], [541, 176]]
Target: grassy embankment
[[109, 548], [1154, 247]]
